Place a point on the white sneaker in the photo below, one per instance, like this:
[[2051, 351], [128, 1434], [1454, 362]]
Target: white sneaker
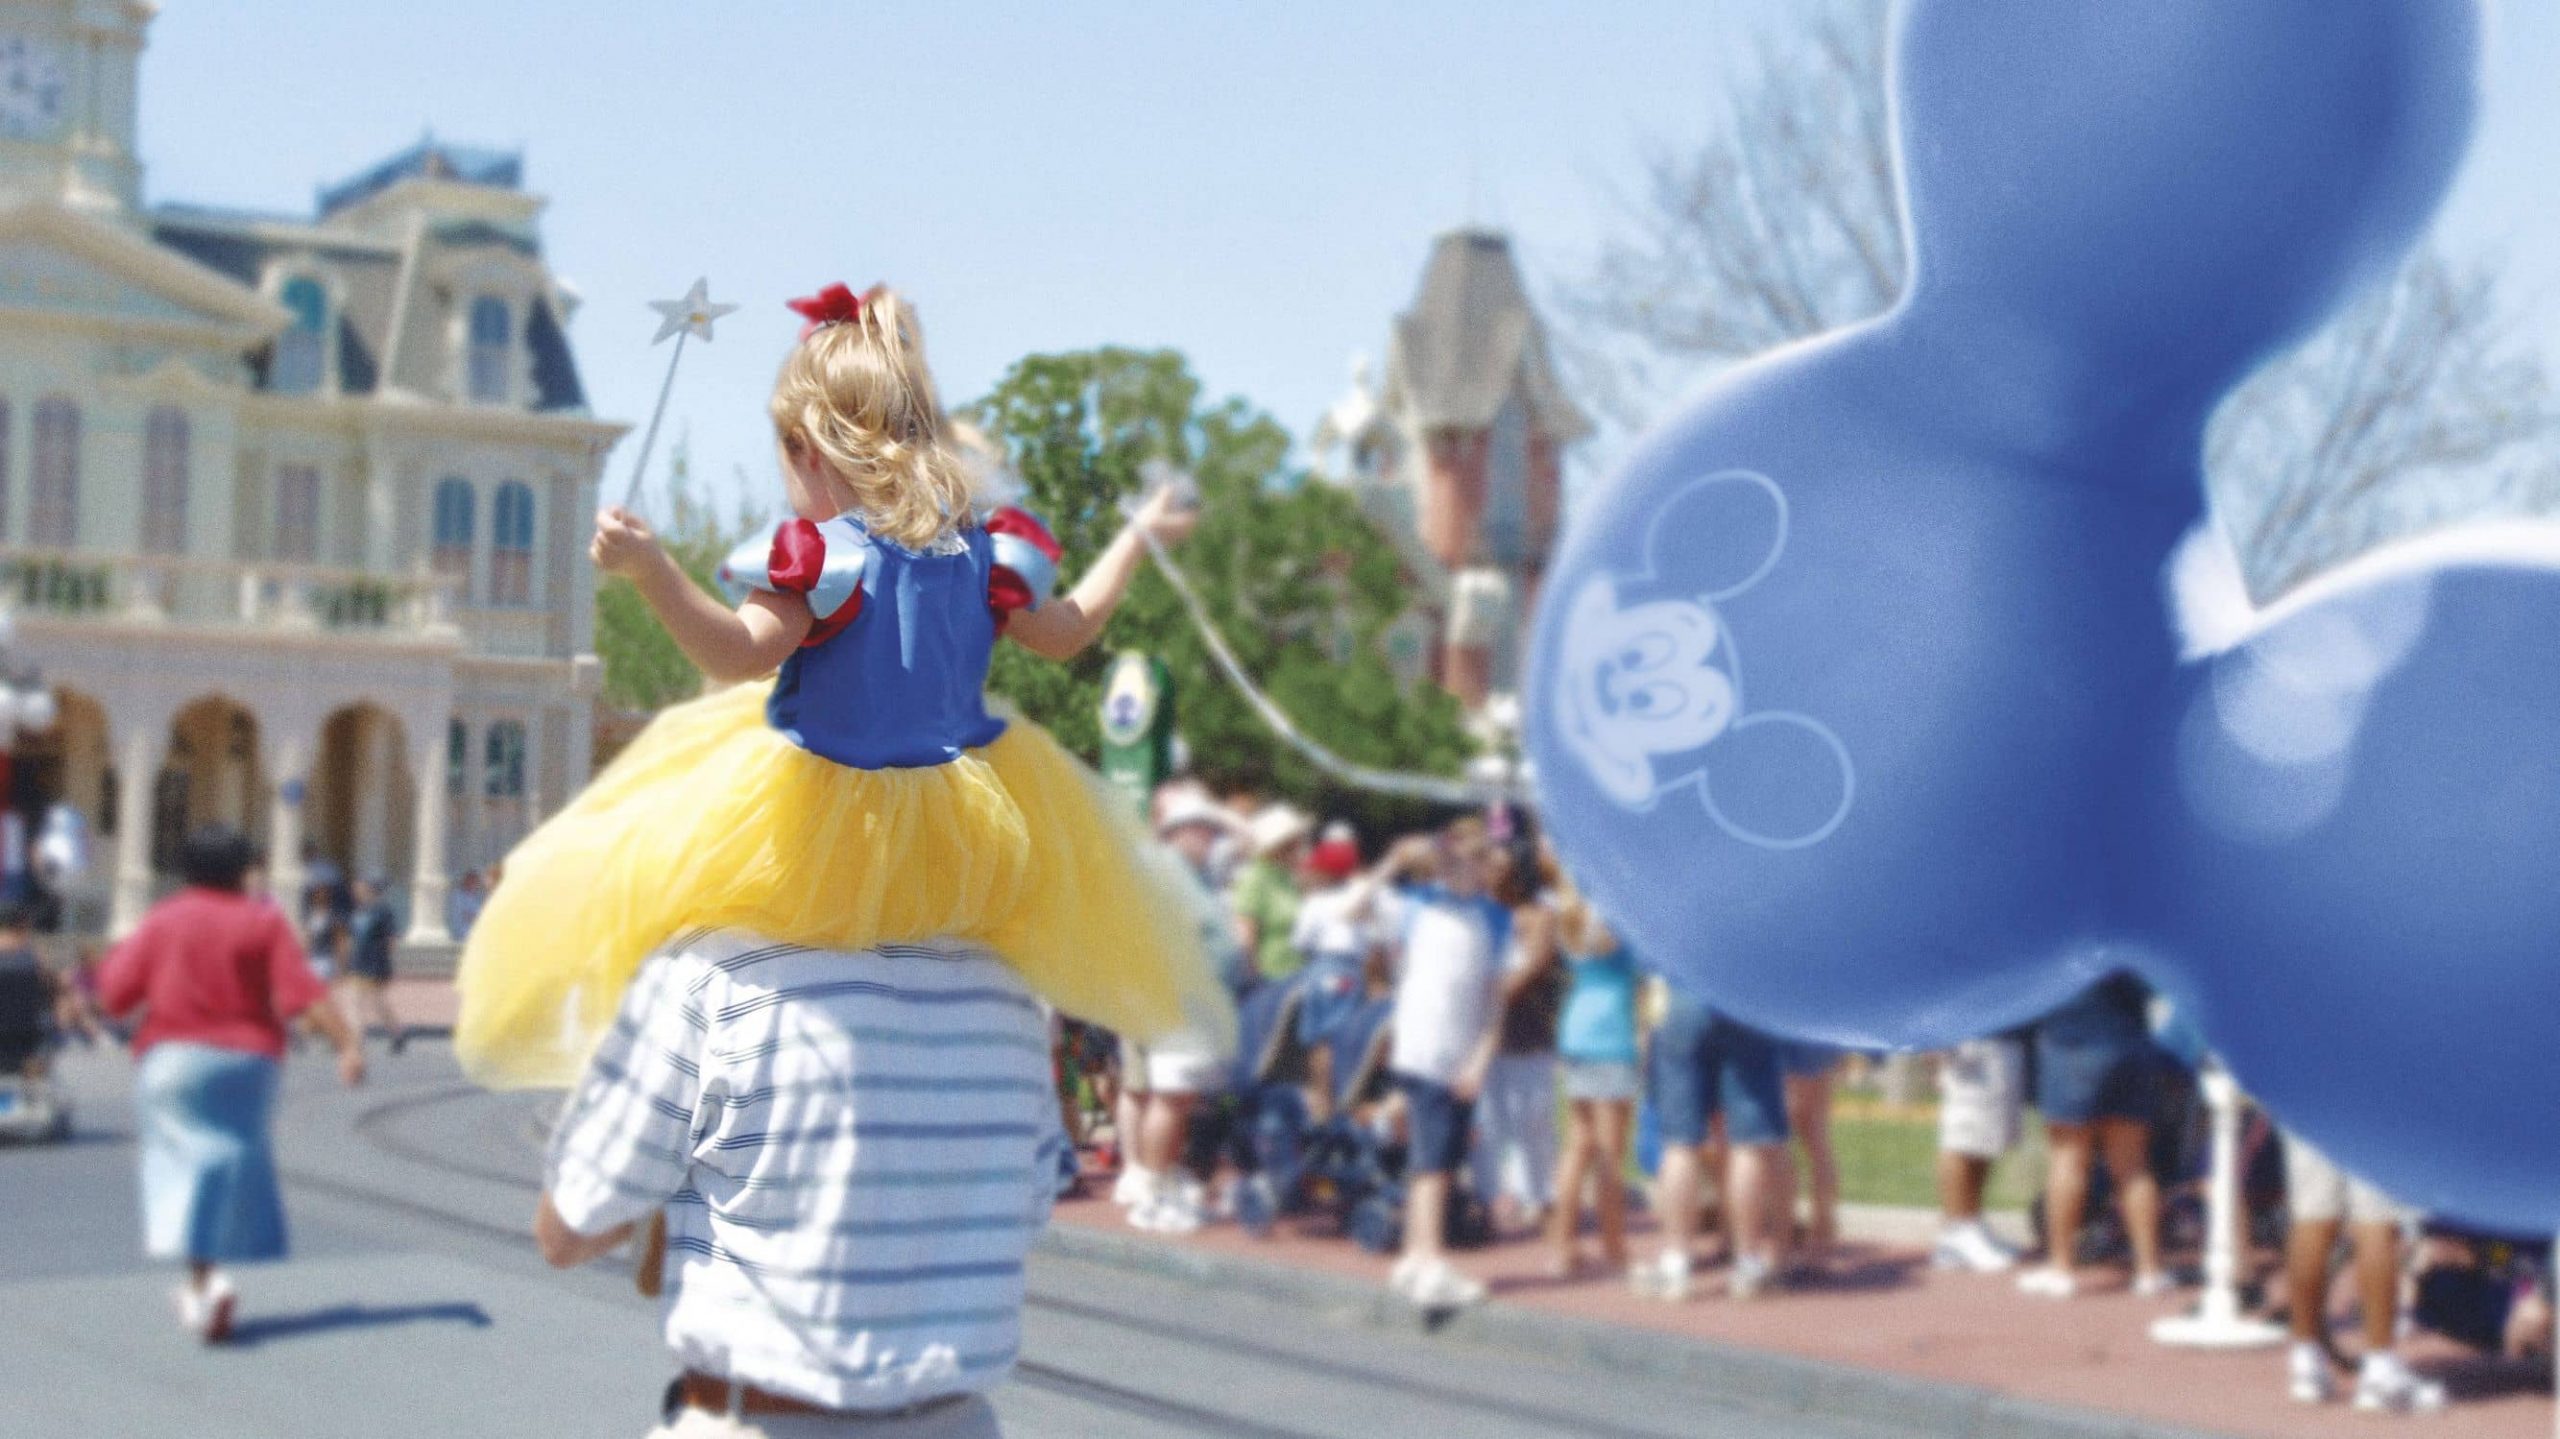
[[2047, 1282], [1665, 1277], [1134, 1186], [1750, 1277], [1400, 1278], [2386, 1385], [1175, 1213], [1969, 1246], [206, 1313], [1437, 1284], [2307, 1374]]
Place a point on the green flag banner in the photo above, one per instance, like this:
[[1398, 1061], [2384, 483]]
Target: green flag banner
[[1137, 724]]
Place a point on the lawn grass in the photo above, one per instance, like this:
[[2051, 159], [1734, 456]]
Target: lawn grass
[[1889, 1155]]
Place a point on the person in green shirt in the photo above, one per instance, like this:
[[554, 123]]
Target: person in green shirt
[[1265, 894]]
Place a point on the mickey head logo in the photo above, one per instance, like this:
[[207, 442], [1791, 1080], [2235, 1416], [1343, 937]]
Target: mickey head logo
[[1650, 690]]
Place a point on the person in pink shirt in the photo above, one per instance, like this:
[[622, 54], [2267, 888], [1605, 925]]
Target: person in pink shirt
[[217, 975]]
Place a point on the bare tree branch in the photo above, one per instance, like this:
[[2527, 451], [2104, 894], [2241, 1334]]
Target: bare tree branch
[[2416, 407]]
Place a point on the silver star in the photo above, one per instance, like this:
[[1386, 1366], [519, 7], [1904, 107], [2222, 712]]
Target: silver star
[[691, 315]]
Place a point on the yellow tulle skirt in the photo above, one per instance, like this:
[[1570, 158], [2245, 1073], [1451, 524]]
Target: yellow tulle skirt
[[712, 820]]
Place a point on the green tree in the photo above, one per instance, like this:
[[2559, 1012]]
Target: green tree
[[1299, 582], [643, 669]]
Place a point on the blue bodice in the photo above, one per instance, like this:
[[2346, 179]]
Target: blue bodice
[[893, 674]]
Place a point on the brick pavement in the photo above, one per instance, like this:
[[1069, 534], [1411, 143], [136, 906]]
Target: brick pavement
[[1881, 1308]]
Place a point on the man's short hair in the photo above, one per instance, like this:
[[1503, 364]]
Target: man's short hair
[[216, 857]]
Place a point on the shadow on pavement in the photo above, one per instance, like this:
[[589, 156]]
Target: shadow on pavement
[[251, 1332]]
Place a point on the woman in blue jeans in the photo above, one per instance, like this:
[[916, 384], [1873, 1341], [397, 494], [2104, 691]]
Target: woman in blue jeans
[[2097, 1081], [1704, 1067]]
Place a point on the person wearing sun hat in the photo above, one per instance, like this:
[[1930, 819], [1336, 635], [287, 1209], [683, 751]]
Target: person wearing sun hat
[[1265, 896], [1163, 1080]]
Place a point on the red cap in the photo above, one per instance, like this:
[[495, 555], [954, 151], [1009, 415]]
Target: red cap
[[1335, 859]]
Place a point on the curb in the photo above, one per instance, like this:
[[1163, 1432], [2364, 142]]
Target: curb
[[1779, 1382]]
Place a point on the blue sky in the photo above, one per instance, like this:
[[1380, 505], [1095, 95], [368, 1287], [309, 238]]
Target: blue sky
[[1254, 184]]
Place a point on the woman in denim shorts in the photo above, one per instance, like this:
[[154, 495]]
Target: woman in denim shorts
[[1597, 1039]]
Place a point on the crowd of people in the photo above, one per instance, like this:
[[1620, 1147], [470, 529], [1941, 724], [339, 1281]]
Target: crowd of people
[[1539, 1083]]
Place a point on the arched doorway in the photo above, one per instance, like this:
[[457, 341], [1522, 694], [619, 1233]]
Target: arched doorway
[[71, 763], [361, 806], [212, 775]]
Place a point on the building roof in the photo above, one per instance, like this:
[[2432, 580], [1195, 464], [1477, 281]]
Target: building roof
[[1472, 338], [429, 159], [375, 279]]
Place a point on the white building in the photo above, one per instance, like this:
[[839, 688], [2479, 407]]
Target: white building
[[292, 508]]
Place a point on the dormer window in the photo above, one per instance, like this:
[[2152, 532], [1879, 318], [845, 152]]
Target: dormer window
[[302, 351], [493, 350]]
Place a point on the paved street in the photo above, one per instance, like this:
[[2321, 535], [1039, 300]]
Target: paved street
[[414, 1305]]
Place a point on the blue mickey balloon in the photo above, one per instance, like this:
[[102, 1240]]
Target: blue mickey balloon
[[2359, 813], [1836, 685]]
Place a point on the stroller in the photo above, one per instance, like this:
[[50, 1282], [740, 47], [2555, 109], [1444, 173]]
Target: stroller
[[31, 1107], [1345, 1167]]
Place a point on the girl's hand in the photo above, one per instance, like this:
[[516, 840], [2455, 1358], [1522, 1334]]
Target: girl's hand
[[623, 544], [1165, 516]]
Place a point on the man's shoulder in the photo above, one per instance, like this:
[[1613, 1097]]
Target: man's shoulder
[[734, 964]]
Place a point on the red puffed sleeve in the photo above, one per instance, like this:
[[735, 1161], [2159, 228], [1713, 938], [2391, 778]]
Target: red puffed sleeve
[[799, 553], [1025, 563], [805, 560]]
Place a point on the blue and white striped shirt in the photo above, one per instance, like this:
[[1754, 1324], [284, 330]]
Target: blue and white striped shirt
[[854, 1152]]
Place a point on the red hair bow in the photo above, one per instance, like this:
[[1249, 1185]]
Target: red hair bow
[[834, 305]]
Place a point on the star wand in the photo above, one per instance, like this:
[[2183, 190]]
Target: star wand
[[683, 318]]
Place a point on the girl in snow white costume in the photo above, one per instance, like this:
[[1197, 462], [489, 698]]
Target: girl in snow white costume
[[865, 795]]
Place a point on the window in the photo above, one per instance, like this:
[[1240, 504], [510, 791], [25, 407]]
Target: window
[[492, 349], [457, 756], [1506, 516], [505, 759], [298, 513], [53, 509], [457, 515], [302, 350], [164, 481], [511, 546]]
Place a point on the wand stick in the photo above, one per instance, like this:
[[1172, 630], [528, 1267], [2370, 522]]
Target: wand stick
[[649, 437], [680, 319]]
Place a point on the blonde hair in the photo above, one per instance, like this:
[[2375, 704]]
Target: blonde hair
[[1580, 926], [858, 397]]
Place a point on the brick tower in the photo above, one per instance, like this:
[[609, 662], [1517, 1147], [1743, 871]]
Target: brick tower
[[1459, 455]]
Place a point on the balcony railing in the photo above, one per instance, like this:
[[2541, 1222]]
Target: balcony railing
[[183, 591]]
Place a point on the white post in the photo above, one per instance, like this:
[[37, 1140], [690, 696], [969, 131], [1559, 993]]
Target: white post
[[2218, 1321], [427, 870], [137, 776]]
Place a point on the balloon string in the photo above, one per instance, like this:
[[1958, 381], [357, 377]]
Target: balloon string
[[1437, 789]]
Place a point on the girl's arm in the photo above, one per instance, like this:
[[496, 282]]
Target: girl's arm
[[1060, 629], [1537, 931], [726, 646]]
